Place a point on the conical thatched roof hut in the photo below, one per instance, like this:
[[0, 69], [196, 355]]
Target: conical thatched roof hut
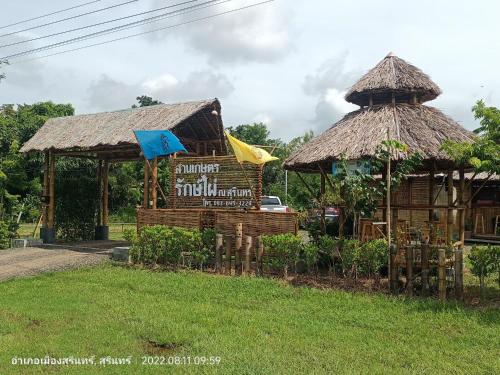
[[390, 96]]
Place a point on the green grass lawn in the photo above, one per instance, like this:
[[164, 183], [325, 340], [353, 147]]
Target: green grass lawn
[[256, 326]]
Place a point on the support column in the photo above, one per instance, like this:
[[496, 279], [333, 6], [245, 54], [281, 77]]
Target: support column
[[459, 253], [50, 233], [154, 184], [145, 202], [45, 199], [323, 208], [449, 215], [102, 229], [431, 202]]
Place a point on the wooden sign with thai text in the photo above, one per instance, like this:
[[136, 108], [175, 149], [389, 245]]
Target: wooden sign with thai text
[[215, 182]]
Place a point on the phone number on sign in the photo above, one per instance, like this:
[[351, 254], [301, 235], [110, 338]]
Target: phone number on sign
[[180, 361]]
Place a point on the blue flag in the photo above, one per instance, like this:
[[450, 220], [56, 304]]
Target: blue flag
[[158, 143]]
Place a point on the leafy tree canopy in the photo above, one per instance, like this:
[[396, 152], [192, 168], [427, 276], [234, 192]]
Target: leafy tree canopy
[[145, 101]]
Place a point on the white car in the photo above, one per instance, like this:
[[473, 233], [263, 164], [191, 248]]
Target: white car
[[273, 204]]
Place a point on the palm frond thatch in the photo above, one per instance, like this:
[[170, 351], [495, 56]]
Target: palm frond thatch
[[393, 75], [357, 135], [110, 129]]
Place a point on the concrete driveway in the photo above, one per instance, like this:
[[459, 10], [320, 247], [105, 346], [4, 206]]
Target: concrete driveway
[[31, 261]]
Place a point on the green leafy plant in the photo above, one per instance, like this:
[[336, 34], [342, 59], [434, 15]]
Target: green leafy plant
[[309, 255], [372, 256], [281, 251], [349, 257], [328, 247], [484, 260]]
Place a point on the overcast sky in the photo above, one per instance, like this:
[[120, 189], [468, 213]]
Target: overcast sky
[[287, 63]]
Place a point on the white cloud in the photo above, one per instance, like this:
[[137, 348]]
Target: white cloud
[[259, 34], [110, 94]]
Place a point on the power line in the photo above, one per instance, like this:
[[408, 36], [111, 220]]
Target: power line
[[150, 31], [49, 14], [96, 24], [117, 28], [70, 18]]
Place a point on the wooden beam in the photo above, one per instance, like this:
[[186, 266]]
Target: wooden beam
[[431, 200], [105, 192], [323, 208]]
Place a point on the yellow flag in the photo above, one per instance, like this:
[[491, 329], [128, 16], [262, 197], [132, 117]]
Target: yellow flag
[[245, 152]]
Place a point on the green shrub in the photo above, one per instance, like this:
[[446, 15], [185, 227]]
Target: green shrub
[[372, 256], [281, 251], [309, 255], [484, 260], [349, 257], [162, 245], [328, 247], [8, 231]]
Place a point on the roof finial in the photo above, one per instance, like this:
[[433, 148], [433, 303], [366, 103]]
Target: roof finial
[[390, 54]]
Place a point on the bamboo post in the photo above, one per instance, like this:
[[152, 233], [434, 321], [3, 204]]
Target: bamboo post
[[145, 202], [449, 218], [219, 244], [248, 252], [99, 192], [393, 271], [259, 253], [323, 208], [238, 242], [341, 223], [105, 193], [431, 201], [459, 284], [388, 204], [229, 244], [52, 180], [424, 259], [154, 184], [409, 271], [442, 275], [45, 204]]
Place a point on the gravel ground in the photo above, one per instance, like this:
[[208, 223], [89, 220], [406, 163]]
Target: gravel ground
[[32, 261]]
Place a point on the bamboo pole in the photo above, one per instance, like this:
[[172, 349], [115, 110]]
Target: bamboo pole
[[248, 252], [229, 244], [323, 208], [388, 206], [52, 180], [424, 259], [45, 204], [259, 253], [431, 202], [459, 269], [442, 275], [449, 218], [154, 184], [145, 201], [409, 271], [238, 242], [99, 192], [219, 244], [105, 193]]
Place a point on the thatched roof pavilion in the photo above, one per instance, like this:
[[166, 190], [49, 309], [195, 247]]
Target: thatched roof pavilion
[[109, 135], [390, 97]]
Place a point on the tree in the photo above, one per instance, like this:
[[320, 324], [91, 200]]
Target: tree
[[483, 154], [2, 75], [145, 101]]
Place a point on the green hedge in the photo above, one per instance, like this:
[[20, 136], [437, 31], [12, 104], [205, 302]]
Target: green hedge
[[160, 245]]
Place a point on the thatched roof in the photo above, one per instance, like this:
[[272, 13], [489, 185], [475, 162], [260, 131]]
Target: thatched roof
[[114, 130], [393, 75], [358, 134]]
